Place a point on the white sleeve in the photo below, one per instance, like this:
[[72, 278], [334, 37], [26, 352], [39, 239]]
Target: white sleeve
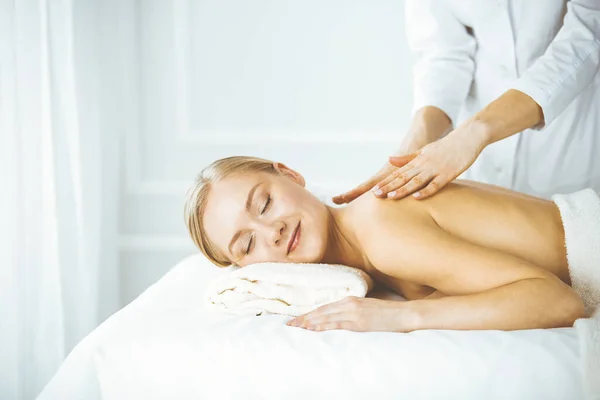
[[443, 51], [570, 62]]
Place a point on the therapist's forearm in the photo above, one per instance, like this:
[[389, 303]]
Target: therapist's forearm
[[526, 304], [428, 125], [510, 113]]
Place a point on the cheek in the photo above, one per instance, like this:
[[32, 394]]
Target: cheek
[[263, 253], [316, 233]]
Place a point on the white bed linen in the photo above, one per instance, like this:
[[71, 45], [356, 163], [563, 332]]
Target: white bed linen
[[165, 345]]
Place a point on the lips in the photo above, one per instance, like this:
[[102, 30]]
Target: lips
[[294, 239]]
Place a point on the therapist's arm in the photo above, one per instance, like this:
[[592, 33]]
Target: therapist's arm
[[429, 123], [443, 51], [511, 113], [569, 64], [548, 87]]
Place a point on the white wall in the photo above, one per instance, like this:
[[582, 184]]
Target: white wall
[[324, 87]]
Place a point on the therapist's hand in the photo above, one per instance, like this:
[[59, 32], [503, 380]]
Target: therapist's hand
[[434, 166], [367, 185]]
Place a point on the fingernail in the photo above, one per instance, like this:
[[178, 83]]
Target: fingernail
[[392, 193], [417, 194], [378, 192]]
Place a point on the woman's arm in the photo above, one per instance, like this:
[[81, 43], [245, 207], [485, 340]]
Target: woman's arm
[[486, 288], [435, 295]]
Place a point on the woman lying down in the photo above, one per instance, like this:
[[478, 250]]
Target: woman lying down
[[474, 256]]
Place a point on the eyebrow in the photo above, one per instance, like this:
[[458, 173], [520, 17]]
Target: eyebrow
[[247, 208]]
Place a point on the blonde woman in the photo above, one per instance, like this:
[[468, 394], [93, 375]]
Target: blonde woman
[[474, 256]]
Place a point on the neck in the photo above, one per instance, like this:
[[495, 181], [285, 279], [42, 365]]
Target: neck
[[342, 244]]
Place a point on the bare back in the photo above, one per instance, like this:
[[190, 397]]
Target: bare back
[[523, 226]]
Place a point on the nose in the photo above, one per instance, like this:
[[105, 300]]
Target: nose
[[277, 233]]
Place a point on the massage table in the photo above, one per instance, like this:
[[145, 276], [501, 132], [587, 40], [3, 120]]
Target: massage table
[[167, 344]]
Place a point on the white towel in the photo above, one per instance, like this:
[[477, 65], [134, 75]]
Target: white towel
[[580, 213], [285, 288]]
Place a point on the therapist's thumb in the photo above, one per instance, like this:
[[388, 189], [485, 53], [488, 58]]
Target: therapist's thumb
[[401, 161]]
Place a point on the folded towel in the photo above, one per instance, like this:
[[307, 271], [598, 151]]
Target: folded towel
[[580, 213], [285, 288]]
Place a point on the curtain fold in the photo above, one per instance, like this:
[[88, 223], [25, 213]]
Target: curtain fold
[[52, 203]]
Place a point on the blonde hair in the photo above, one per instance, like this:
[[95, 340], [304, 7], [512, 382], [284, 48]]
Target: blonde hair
[[197, 196]]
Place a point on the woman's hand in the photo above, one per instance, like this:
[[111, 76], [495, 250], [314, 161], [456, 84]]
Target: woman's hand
[[361, 315], [435, 165]]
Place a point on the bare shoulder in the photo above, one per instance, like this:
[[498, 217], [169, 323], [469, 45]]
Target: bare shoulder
[[369, 208], [383, 228], [386, 223]]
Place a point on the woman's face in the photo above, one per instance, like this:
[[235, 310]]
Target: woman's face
[[261, 217]]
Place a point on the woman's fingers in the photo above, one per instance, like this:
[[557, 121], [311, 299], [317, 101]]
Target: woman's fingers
[[327, 324], [327, 320]]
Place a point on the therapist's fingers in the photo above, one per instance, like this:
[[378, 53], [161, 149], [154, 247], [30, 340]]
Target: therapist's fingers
[[432, 188], [418, 182], [401, 161], [395, 180], [357, 191], [363, 187]]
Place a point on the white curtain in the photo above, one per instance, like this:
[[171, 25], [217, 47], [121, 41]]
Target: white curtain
[[53, 222]]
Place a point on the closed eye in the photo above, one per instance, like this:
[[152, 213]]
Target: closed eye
[[266, 206], [249, 245]]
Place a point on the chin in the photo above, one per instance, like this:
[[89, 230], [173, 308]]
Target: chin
[[316, 255], [309, 254]]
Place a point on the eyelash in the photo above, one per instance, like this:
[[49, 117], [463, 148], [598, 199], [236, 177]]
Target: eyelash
[[265, 208], [267, 204], [249, 244]]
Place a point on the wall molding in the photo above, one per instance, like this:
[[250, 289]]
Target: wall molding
[[185, 134], [135, 181]]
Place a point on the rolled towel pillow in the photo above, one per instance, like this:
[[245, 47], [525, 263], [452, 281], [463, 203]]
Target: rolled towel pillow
[[285, 288]]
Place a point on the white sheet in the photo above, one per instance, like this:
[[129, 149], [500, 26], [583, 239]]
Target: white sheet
[[164, 345]]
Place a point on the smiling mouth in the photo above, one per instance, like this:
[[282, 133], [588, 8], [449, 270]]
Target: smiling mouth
[[294, 239]]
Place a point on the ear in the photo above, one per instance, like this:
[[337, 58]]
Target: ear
[[290, 173]]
